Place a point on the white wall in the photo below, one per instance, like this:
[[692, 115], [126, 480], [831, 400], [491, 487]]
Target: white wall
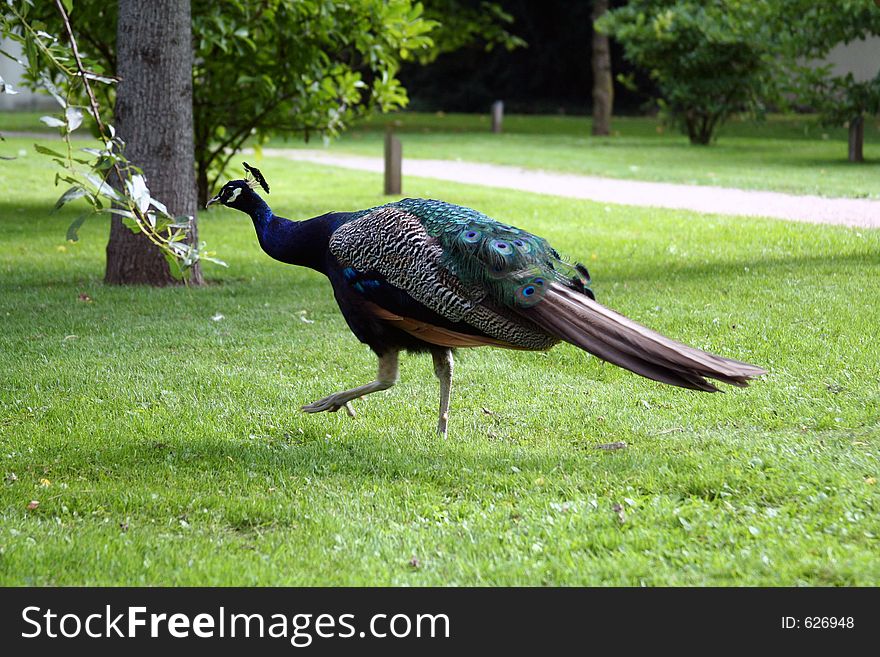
[[11, 71], [860, 57]]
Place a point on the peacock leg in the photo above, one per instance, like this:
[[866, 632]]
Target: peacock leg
[[386, 378], [443, 366]]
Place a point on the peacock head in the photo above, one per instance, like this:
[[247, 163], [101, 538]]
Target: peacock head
[[239, 194]]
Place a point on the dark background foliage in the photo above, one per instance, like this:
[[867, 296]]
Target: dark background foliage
[[551, 75]]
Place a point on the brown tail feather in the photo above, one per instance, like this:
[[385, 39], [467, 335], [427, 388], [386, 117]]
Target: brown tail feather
[[577, 319]]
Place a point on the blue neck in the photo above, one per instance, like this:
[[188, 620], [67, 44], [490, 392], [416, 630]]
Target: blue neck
[[301, 243], [260, 212]]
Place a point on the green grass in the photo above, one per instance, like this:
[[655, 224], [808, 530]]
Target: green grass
[[166, 448], [790, 153], [30, 122], [23, 121], [785, 153]]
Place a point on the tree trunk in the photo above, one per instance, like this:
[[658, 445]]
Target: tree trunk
[[700, 127], [603, 84], [856, 139], [153, 115], [202, 183]]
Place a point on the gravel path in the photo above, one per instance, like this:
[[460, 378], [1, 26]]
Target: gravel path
[[862, 213]]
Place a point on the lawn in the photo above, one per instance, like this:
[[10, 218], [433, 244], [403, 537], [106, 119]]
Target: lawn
[[786, 153], [159, 430]]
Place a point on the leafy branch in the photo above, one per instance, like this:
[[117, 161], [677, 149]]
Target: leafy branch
[[88, 177]]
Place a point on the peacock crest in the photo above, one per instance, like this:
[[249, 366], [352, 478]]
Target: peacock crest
[[254, 178]]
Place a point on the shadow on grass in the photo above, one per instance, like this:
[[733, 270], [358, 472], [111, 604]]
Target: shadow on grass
[[830, 163], [747, 268], [356, 455]]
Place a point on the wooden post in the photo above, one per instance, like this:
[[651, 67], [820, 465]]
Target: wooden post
[[856, 139], [393, 163], [497, 115], [603, 82]]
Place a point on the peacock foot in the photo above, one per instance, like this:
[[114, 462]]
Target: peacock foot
[[331, 404]]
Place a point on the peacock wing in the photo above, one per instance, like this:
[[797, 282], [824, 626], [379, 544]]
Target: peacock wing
[[513, 267], [408, 244]]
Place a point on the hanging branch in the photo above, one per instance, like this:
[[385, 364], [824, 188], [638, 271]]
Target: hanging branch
[[132, 201], [82, 72]]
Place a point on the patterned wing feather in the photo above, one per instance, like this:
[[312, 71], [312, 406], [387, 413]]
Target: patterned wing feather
[[515, 268], [410, 244]]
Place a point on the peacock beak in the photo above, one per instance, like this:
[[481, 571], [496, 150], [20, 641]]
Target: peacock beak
[[216, 199]]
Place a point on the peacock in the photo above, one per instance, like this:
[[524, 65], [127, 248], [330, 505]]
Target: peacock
[[422, 275]]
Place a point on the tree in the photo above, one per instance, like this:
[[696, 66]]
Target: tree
[[90, 170], [710, 59], [463, 23], [153, 116], [843, 101], [810, 31], [279, 67], [603, 84]]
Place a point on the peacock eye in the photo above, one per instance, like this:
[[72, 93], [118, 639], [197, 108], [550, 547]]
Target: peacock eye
[[471, 236], [500, 247]]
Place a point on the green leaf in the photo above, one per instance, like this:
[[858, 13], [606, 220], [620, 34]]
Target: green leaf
[[103, 187], [52, 122], [75, 225], [138, 192], [177, 262], [131, 224], [68, 6], [159, 206], [46, 151], [49, 85], [216, 261], [74, 192], [100, 78], [6, 88], [119, 212], [74, 118]]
